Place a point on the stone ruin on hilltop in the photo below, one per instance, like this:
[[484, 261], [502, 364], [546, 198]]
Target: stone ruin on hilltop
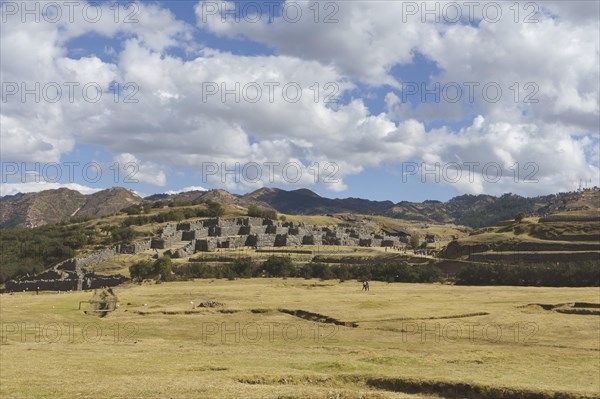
[[204, 236]]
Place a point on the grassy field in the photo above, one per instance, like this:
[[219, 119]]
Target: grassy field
[[395, 341]]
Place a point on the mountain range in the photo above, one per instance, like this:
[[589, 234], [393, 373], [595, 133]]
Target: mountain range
[[61, 205]]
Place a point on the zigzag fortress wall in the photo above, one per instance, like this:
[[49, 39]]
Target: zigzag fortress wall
[[212, 234], [199, 236]]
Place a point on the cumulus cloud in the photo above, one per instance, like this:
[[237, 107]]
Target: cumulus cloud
[[136, 171], [221, 108], [364, 39], [34, 187], [185, 190]]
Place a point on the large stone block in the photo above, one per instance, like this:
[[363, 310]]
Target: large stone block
[[331, 240], [349, 241], [312, 239], [244, 230], [135, 247], [168, 229], [294, 240], [365, 242], [201, 232], [210, 222], [207, 245], [184, 226], [265, 240], [280, 240], [229, 230], [188, 235], [388, 243], [251, 240], [158, 243], [185, 251], [226, 222]]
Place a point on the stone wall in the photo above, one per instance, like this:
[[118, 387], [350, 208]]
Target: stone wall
[[186, 226], [188, 235], [166, 240], [186, 251], [168, 229], [45, 285], [135, 247], [75, 264], [207, 236], [312, 239], [232, 242], [206, 245], [51, 280], [294, 240], [107, 281]]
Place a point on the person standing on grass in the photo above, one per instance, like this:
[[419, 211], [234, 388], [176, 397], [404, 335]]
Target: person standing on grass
[[37, 291], [365, 285]]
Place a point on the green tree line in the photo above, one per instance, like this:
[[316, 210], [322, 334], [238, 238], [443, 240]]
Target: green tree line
[[212, 209], [281, 266]]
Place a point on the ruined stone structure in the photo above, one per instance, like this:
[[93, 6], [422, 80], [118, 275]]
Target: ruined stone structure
[[76, 273], [64, 280], [212, 234], [135, 247], [200, 236]]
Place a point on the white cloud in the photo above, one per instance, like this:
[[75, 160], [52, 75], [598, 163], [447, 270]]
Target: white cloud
[[367, 40], [185, 190], [174, 123], [136, 171], [34, 187]]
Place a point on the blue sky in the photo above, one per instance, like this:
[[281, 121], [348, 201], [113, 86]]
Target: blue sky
[[378, 57]]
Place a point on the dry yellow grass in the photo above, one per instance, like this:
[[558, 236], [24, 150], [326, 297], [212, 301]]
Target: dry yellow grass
[[249, 349]]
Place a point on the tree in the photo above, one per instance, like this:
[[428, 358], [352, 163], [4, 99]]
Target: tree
[[270, 214], [415, 239], [279, 266], [215, 209], [132, 210], [164, 266], [254, 211], [146, 269], [245, 267], [140, 270], [519, 217]]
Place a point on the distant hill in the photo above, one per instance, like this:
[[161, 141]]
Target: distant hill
[[107, 202], [469, 210], [60, 205], [220, 196], [54, 206], [38, 209], [306, 202]]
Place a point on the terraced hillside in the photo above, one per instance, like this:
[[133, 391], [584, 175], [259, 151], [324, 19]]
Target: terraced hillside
[[563, 237]]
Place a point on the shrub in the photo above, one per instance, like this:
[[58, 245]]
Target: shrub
[[256, 211], [519, 217], [145, 269], [164, 266], [415, 240], [245, 267], [278, 266], [283, 267], [140, 270]]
